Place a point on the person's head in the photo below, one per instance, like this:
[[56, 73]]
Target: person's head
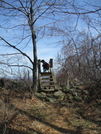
[[42, 61]]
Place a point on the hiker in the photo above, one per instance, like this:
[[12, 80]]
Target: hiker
[[45, 65]]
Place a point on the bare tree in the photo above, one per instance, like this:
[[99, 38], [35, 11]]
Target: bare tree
[[26, 13], [25, 20], [81, 58]]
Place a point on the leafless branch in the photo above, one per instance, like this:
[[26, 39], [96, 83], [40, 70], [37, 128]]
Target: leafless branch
[[24, 54], [88, 12], [10, 54]]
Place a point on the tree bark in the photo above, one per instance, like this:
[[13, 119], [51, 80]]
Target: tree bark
[[34, 48]]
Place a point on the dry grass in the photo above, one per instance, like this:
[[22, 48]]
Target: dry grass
[[39, 117]]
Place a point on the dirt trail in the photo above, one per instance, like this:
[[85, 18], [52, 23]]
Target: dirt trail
[[39, 117]]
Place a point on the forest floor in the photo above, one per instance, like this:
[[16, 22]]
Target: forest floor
[[21, 115]]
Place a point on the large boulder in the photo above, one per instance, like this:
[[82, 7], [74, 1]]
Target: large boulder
[[41, 95], [59, 95]]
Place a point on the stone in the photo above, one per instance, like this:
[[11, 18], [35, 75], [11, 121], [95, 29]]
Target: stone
[[42, 96], [66, 89], [50, 99], [43, 93], [70, 97], [59, 94]]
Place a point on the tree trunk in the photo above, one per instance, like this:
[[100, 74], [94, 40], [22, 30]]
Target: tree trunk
[[34, 48], [34, 66]]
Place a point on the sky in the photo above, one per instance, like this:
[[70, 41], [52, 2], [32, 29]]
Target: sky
[[45, 51], [46, 47]]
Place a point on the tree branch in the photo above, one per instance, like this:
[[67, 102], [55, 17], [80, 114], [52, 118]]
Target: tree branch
[[89, 12], [15, 65], [9, 54], [20, 66], [24, 54], [12, 7]]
